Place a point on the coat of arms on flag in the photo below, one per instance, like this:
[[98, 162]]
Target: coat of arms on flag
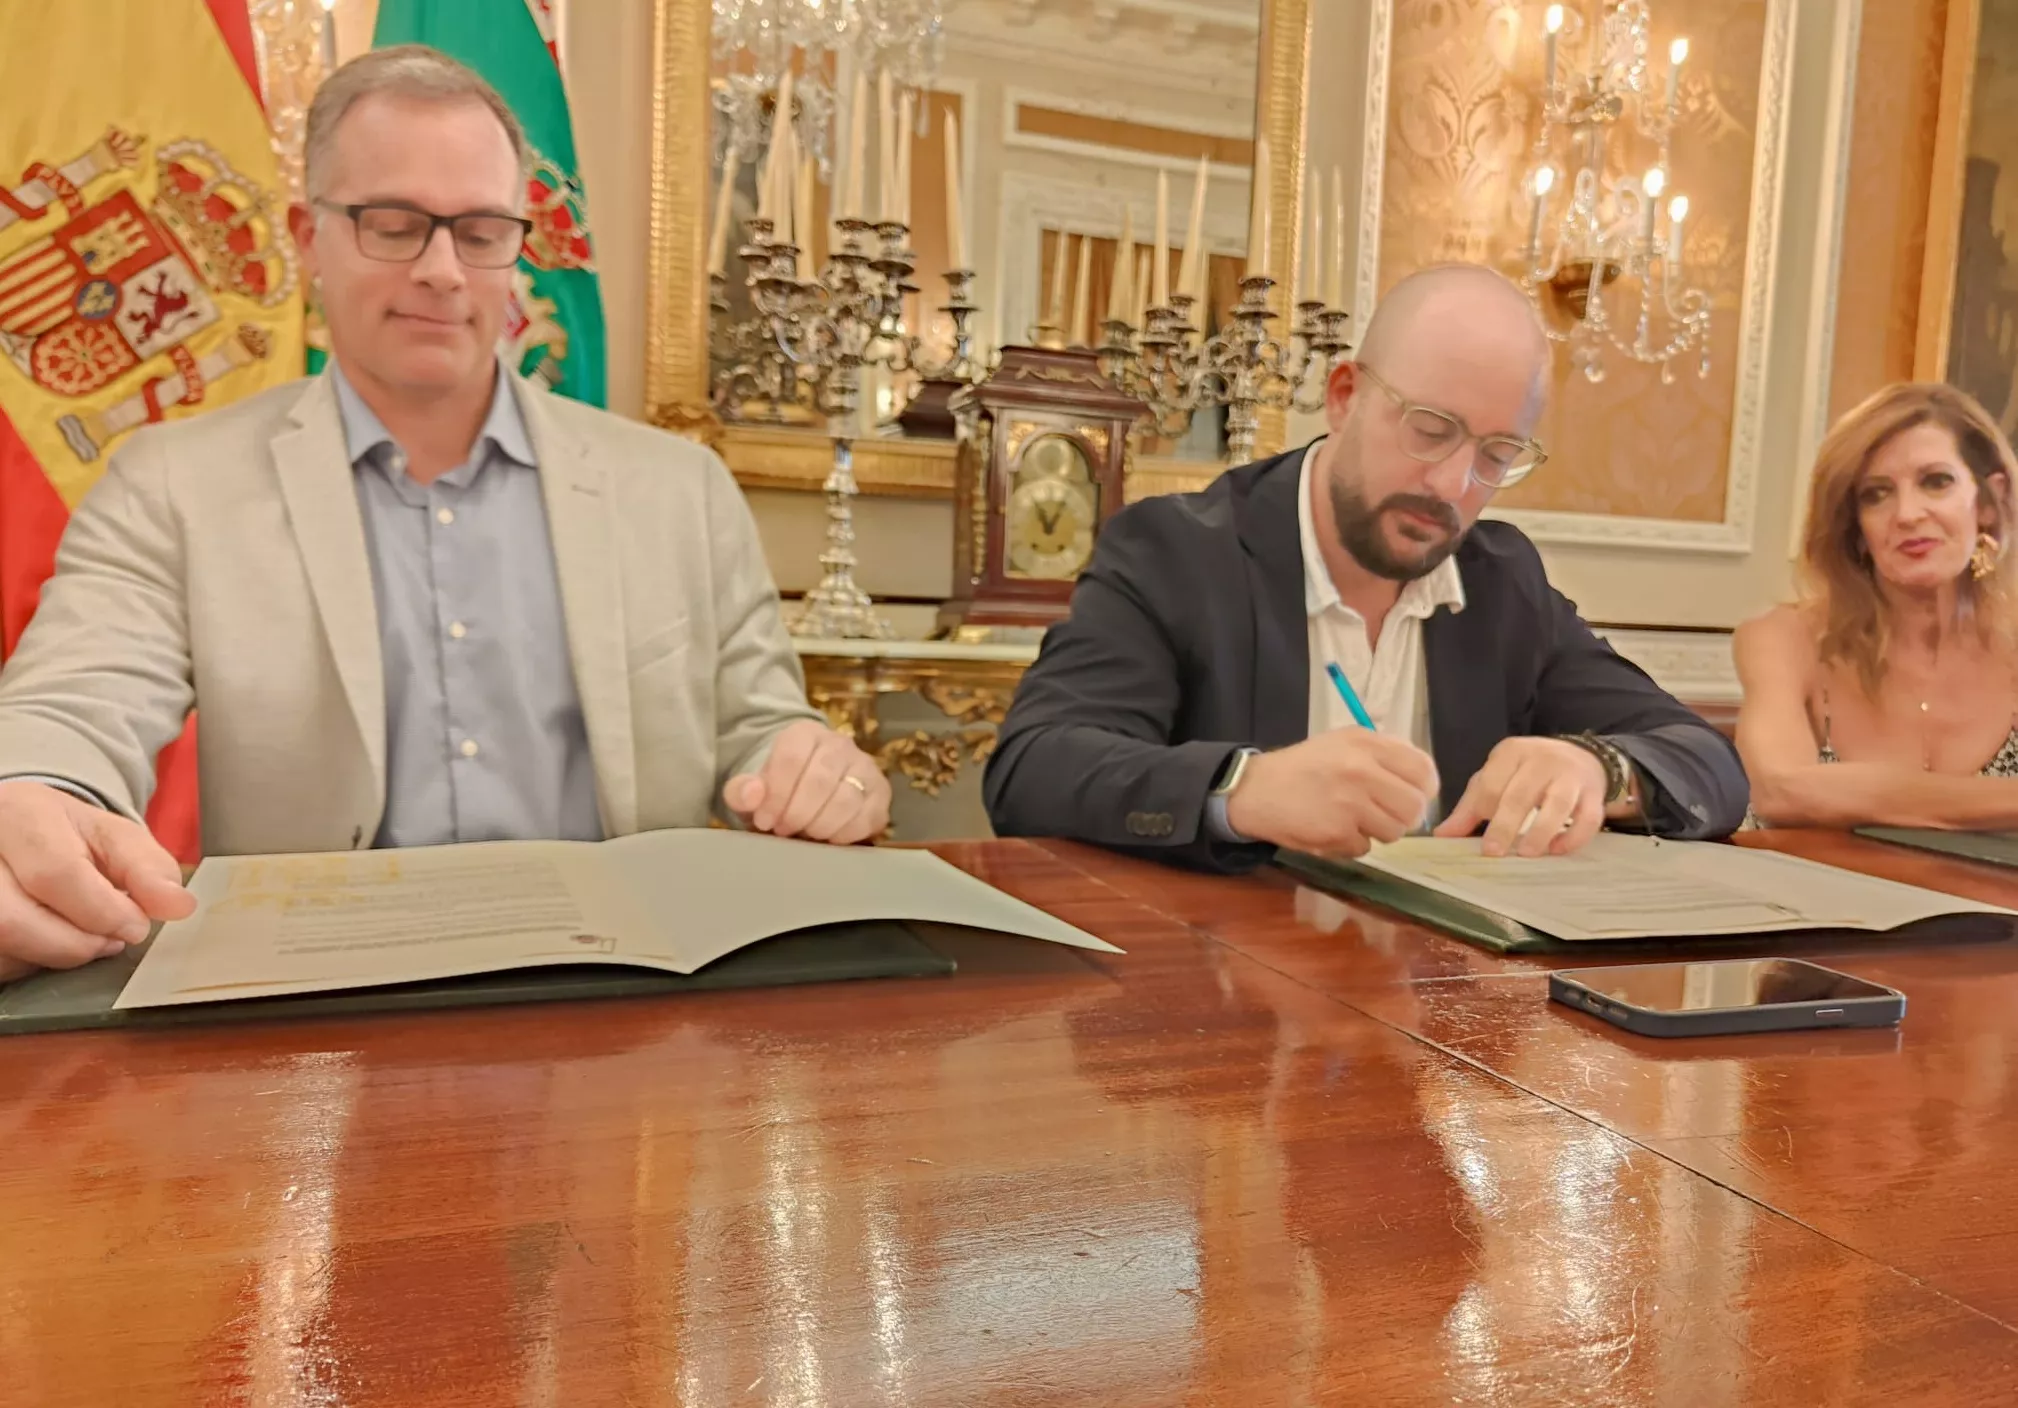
[[124, 284]]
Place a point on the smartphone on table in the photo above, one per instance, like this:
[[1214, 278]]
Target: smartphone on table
[[1727, 996]]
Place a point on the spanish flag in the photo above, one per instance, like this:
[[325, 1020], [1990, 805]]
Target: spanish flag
[[145, 267]]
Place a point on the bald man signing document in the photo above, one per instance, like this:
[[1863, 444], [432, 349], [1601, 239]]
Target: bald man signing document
[[1187, 710]]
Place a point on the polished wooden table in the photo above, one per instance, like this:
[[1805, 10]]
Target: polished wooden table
[[1287, 1151]]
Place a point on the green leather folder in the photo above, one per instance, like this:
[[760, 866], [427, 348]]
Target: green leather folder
[[1992, 847], [1439, 911], [83, 997], [1502, 935]]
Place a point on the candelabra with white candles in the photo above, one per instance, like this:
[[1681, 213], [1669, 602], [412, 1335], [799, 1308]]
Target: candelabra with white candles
[[814, 331], [1594, 219], [1155, 341]]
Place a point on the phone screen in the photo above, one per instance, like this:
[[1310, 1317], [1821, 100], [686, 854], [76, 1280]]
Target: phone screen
[[1693, 987]]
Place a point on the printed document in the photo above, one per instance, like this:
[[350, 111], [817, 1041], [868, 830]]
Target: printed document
[[1639, 887], [671, 900]]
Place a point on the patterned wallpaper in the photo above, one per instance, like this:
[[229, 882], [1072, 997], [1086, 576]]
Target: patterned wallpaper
[[1899, 51], [1461, 118]]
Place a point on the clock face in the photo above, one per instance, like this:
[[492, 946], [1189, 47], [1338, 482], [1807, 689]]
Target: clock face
[[1049, 528]]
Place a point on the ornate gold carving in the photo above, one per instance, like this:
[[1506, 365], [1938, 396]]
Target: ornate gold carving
[[1018, 436], [1095, 436], [290, 70], [676, 291], [696, 423], [931, 762], [1060, 376], [973, 694], [977, 511], [964, 703], [1282, 96]]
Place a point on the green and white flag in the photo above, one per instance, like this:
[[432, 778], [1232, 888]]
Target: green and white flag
[[554, 331]]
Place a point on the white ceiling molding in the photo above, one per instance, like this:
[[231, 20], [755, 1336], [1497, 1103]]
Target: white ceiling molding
[[1171, 41]]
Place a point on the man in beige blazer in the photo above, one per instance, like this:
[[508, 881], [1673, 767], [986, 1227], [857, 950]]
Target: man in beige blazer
[[416, 599]]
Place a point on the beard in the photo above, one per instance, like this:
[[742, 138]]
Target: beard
[[1362, 531]]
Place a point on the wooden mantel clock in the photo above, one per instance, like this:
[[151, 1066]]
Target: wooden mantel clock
[[1042, 465]]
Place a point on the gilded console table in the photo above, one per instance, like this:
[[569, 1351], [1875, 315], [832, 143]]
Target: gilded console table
[[970, 685]]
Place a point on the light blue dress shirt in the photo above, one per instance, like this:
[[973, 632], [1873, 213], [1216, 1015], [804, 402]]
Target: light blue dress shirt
[[484, 733]]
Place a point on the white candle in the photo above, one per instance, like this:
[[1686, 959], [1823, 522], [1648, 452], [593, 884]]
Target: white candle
[[1120, 298], [1159, 265], [1651, 186], [1677, 51], [766, 187], [1544, 182], [1336, 299], [781, 136], [782, 175], [858, 137], [1311, 258], [905, 136], [725, 199], [1678, 211], [886, 147], [803, 224], [956, 205], [1194, 236], [1075, 331], [1257, 214], [1139, 314], [1054, 306], [1552, 22]]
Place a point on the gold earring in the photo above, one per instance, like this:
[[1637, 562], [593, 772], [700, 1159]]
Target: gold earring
[[1983, 561]]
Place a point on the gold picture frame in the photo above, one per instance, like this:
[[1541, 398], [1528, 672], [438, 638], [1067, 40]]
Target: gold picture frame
[[1935, 324], [676, 285]]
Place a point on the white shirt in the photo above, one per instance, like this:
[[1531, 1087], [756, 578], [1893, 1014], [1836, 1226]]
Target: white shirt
[[1391, 679]]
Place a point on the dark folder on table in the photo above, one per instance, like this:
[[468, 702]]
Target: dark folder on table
[[1633, 891], [526, 921], [1991, 847], [83, 997], [1445, 912]]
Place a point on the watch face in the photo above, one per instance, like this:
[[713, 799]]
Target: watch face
[[1050, 528]]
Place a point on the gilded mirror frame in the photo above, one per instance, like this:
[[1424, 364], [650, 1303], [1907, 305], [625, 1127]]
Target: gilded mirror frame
[[676, 285]]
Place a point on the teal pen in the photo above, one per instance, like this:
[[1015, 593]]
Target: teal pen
[[1345, 692]]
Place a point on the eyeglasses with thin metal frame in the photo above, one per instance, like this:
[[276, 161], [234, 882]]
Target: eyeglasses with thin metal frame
[[399, 234], [1431, 435]]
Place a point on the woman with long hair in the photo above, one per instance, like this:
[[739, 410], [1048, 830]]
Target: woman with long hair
[[1888, 692]]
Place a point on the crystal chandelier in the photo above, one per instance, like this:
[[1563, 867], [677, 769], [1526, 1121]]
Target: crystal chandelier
[[754, 42], [1594, 222]]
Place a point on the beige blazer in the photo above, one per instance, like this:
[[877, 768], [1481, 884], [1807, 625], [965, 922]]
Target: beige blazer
[[220, 564]]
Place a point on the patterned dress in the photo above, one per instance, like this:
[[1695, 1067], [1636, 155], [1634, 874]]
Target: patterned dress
[[2004, 764]]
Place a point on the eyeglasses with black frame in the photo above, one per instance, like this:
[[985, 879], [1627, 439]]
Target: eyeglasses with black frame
[[398, 234], [1430, 435]]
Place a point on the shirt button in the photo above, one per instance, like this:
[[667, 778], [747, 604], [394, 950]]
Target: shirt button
[[457, 630], [398, 462], [469, 749], [444, 516]]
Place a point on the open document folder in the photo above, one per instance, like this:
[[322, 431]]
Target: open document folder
[[670, 900], [1638, 887]]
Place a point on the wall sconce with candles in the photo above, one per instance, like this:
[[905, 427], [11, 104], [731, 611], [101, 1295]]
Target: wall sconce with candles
[[1593, 222]]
